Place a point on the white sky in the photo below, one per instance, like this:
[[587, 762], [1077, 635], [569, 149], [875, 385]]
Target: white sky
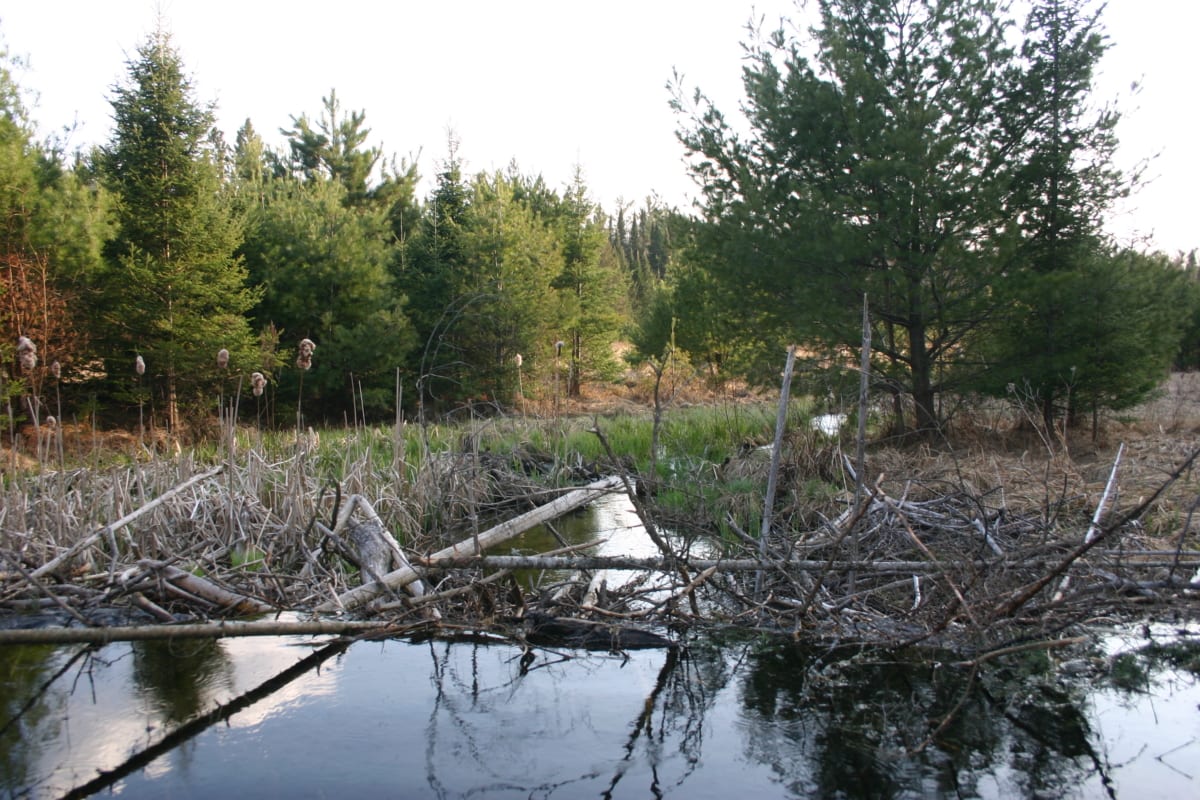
[[547, 83]]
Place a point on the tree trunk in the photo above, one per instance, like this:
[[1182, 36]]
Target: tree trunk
[[921, 366]]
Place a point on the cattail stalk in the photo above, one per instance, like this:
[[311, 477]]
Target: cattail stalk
[[304, 355]]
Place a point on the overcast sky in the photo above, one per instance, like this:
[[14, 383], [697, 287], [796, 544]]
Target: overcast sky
[[547, 83]]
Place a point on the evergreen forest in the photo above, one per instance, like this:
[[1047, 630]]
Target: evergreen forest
[[942, 164]]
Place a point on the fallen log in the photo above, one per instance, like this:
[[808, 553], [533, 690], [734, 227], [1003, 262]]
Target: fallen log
[[223, 599], [475, 545], [199, 630], [656, 563], [546, 630], [734, 564]]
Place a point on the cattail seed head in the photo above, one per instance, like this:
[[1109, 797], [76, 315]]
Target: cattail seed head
[[304, 353], [51, 422], [518, 360], [26, 353], [139, 365], [258, 382], [222, 358], [56, 370]]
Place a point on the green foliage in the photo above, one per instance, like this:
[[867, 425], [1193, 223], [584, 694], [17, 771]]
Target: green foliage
[[1094, 336], [434, 252], [171, 289], [501, 267], [907, 160], [1072, 317], [645, 242], [1189, 347], [334, 149], [324, 271], [53, 228], [592, 289]]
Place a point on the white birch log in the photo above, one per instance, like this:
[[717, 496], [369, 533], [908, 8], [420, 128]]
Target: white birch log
[[207, 590], [476, 544]]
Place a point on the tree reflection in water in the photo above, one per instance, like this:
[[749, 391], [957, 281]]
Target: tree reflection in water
[[727, 716], [866, 723]]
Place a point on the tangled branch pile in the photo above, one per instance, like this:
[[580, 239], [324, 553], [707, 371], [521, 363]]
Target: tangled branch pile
[[167, 542]]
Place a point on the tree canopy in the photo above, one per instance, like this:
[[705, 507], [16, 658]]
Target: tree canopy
[[911, 154]]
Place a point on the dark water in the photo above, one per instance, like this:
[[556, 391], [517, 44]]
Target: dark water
[[726, 717], [723, 718]]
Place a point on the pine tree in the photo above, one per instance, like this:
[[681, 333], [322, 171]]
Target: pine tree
[[511, 258], [334, 149], [883, 166], [323, 269], [433, 255], [1060, 195], [172, 291]]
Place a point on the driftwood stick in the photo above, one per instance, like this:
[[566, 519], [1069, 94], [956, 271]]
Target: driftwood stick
[[643, 515], [1051, 644], [82, 544], [55, 599], [1094, 529], [658, 564], [773, 475], [844, 528], [204, 721], [925, 550], [432, 597], [474, 545], [1022, 596], [152, 608]]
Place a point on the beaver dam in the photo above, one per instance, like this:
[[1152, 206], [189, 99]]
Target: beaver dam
[[175, 548]]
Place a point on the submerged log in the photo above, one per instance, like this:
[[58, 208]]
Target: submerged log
[[546, 630]]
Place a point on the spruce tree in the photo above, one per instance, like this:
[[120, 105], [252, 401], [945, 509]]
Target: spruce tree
[[593, 288], [172, 290]]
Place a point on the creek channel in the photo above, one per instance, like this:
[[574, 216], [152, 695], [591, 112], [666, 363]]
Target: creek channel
[[731, 714]]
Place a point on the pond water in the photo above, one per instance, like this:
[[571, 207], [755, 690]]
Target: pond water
[[725, 717], [728, 715]]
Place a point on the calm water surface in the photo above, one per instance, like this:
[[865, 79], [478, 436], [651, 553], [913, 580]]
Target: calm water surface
[[753, 718]]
